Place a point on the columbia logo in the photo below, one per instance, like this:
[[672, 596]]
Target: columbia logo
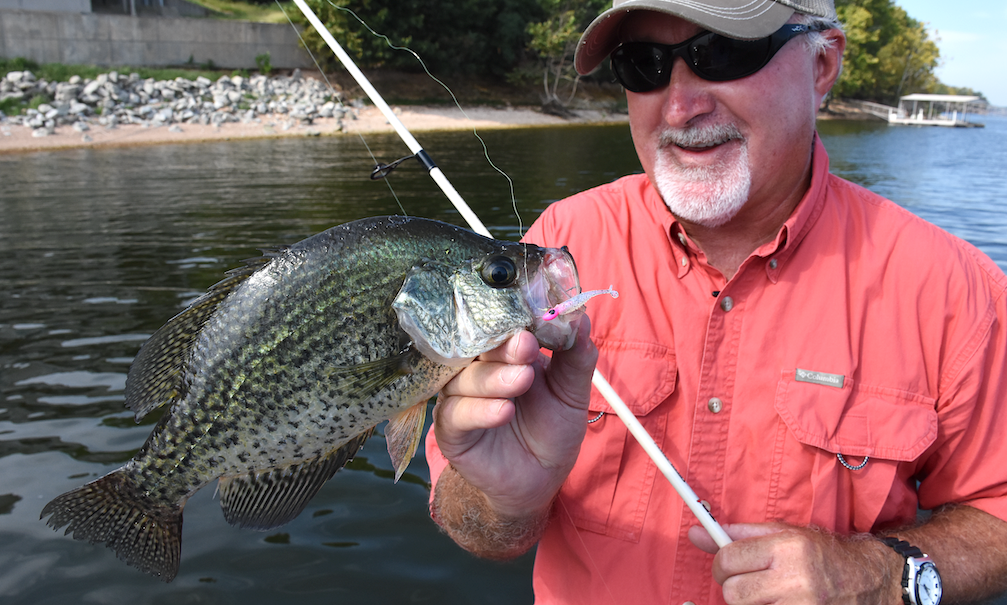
[[823, 378]]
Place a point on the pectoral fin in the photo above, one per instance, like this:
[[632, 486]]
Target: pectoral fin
[[403, 435], [366, 379]]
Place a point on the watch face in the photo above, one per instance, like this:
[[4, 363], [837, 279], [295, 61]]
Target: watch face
[[928, 585]]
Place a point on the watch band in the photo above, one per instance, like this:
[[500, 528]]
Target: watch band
[[902, 547], [915, 560]]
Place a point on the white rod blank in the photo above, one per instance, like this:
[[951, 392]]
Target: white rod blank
[[406, 136], [635, 428]]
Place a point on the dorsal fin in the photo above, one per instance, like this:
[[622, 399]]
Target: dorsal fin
[[155, 378], [269, 498]]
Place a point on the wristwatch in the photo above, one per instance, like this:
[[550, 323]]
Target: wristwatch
[[921, 583]]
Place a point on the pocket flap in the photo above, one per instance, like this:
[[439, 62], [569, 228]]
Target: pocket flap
[[643, 374], [858, 420]]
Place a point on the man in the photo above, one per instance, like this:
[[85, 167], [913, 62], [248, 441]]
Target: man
[[817, 362]]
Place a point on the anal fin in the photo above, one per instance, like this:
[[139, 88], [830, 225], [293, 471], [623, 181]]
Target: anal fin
[[269, 498], [403, 434]]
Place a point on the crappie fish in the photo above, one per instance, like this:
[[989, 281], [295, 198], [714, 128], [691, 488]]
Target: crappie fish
[[279, 373]]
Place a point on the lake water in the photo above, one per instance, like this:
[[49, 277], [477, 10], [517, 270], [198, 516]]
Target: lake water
[[99, 248]]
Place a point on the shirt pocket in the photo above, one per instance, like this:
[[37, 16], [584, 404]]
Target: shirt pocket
[[609, 489], [809, 483]]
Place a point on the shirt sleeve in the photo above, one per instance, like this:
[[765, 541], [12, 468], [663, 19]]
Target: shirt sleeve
[[966, 465]]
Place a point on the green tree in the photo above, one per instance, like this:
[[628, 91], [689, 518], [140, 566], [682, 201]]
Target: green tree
[[554, 41], [888, 53], [907, 62], [451, 36], [859, 71]]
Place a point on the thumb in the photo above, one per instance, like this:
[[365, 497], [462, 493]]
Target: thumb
[[569, 372]]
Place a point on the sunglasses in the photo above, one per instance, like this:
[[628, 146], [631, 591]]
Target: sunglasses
[[646, 66]]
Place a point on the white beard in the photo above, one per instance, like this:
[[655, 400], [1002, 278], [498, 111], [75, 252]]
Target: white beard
[[705, 195]]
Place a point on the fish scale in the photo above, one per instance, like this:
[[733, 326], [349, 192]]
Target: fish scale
[[276, 377]]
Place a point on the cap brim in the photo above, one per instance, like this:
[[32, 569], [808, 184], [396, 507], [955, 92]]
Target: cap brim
[[752, 21]]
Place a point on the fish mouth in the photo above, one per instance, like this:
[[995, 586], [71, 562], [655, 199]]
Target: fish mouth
[[554, 282]]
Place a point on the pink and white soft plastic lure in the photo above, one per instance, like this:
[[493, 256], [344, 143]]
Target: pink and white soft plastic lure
[[572, 304]]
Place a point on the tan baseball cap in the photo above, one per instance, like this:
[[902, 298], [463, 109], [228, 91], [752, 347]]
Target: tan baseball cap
[[742, 19]]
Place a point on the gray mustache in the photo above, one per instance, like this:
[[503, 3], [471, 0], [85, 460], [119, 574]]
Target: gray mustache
[[700, 136]]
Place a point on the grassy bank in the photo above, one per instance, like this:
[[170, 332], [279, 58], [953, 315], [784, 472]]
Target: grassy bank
[[58, 72], [246, 11]]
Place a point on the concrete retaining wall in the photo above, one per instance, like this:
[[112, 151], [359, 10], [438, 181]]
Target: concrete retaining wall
[[65, 6], [112, 40]]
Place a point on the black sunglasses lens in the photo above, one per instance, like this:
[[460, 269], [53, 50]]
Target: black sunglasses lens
[[719, 58], [641, 67], [646, 66]]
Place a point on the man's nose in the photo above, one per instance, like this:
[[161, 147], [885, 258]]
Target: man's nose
[[687, 96]]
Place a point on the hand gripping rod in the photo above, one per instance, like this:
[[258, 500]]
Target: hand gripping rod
[[635, 428]]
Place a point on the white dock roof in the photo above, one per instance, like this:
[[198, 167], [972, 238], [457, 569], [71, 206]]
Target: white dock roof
[[944, 98]]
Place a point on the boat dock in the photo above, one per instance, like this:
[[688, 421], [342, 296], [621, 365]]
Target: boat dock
[[929, 110]]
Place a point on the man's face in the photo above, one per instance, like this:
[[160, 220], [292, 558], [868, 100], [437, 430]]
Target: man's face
[[719, 150]]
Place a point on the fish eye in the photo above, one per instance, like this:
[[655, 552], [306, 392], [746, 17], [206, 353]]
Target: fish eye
[[499, 272]]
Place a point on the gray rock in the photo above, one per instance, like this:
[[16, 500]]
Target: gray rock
[[121, 99], [91, 88]]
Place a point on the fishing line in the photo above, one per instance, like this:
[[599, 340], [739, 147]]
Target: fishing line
[[310, 54], [485, 150], [377, 166], [587, 551], [339, 98]]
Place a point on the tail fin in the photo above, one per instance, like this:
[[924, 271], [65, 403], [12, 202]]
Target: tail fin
[[142, 532]]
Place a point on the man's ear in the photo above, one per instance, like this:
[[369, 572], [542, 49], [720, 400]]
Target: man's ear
[[829, 64]]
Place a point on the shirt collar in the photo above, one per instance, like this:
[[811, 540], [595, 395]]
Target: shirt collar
[[777, 252], [804, 216]]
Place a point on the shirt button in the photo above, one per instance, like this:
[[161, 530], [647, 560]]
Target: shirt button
[[688, 603], [726, 303], [685, 261], [772, 263], [681, 238], [715, 405]]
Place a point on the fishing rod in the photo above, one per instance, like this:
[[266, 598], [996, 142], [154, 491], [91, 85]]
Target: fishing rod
[[598, 380]]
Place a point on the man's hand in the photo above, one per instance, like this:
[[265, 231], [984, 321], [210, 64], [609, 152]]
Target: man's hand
[[777, 563], [511, 425]]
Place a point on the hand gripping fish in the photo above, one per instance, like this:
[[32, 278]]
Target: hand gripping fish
[[278, 374]]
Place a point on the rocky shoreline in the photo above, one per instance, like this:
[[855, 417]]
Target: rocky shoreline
[[115, 109], [112, 99]]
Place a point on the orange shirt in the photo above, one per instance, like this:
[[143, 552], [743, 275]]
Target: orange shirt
[[860, 331]]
